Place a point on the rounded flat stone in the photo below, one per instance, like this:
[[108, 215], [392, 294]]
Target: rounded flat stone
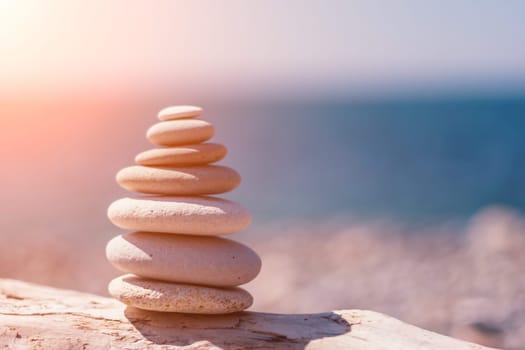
[[210, 261], [179, 112], [180, 132], [185, 215], [199, 154], [161, 296], [196, 180]]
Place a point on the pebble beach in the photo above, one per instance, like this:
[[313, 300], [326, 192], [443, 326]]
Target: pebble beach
[[461, 279]]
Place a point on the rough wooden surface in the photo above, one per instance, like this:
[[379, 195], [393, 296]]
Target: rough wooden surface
[[37, 317]]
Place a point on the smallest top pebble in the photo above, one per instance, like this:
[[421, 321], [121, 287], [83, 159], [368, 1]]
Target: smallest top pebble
[[179, 112]]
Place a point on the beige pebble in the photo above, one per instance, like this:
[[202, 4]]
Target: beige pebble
[[185, 215], [199, 154], [210, 261], [161, 296], [179, 112], [196, 180], [180, 132]]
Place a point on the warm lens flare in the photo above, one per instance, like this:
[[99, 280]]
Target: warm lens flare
[[13, 15]]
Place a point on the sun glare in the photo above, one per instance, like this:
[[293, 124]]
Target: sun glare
[[17, 19], [12, 15]]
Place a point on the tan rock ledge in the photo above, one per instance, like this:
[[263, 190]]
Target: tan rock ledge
[[37, 317]]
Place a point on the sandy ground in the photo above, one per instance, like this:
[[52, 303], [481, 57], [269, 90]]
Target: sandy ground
[[461, 279]]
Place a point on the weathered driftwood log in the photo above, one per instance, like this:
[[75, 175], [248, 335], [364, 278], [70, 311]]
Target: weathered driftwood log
[[37, 317]]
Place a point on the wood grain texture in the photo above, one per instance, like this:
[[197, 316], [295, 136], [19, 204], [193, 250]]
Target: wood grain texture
[[38, 317]]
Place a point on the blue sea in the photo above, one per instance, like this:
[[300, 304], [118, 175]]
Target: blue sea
[[413, 160]]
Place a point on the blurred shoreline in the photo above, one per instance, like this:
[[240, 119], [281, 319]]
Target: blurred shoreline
[[414, 159]]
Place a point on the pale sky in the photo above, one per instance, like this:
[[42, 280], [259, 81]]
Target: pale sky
[[277, 45]]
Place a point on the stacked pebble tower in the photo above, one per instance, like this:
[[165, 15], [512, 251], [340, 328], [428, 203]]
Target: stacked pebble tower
[[175, 261]]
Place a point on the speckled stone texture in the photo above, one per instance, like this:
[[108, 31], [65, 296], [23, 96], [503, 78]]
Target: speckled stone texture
[[195, 180], [211, 261], [174, 260], [161, 296]]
